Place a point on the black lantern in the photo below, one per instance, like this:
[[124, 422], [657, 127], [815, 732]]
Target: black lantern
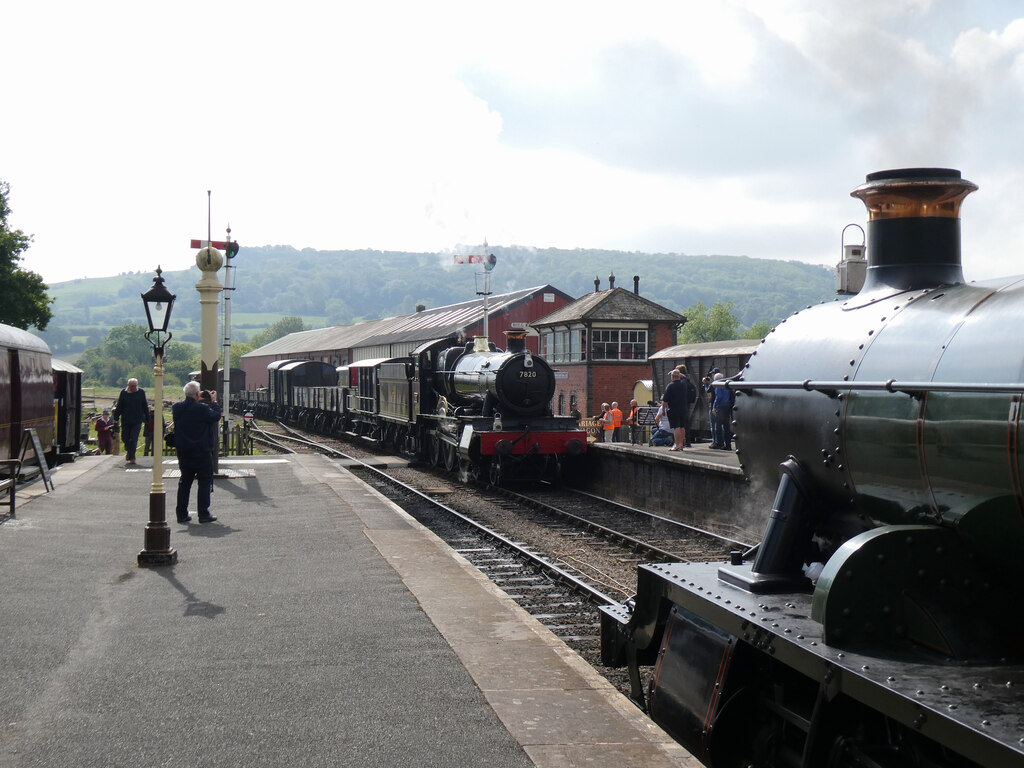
[[158, 302]]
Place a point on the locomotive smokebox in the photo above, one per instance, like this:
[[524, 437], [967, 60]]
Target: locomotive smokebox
[[913, 227]]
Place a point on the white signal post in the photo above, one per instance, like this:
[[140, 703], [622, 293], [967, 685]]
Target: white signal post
[[488, 261], [230, 249]]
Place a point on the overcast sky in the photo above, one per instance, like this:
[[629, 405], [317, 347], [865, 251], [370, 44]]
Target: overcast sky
[[733, 127]]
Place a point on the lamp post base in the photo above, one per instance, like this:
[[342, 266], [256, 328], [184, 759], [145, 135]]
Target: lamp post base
[[148, 559], [157, 539]]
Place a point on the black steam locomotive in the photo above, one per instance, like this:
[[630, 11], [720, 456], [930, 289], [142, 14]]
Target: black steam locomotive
[[464, 405], [875, 624]]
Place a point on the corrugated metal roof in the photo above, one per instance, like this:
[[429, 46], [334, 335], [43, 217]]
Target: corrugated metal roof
[[708, 349], [419, 326], [63, 365]]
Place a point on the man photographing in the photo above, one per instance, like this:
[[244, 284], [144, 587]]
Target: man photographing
[[195, 420]]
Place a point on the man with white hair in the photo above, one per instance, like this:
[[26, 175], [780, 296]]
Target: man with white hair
[[195, 418], [131, 412]]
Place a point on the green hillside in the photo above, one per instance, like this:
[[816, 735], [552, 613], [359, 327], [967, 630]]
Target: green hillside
[[337, 287]]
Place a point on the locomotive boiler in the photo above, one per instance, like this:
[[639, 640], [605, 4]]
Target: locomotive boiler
[[875, 624], [514, 381]]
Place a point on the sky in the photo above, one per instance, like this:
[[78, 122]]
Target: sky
[[736, 127]]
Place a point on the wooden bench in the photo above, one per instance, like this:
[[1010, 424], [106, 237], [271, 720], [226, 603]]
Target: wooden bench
[[9, 471]]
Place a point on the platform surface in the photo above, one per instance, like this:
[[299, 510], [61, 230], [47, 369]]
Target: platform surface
[[313, 623]]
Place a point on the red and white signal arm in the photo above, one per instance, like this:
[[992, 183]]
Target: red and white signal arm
[[477, 258]]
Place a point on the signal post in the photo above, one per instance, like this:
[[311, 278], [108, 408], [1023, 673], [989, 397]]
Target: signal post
[[209, 260]]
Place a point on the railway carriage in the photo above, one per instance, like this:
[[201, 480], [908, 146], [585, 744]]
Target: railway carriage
[[26, 392]]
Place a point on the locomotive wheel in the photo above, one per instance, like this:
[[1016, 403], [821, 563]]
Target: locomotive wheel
[[494, 472], [435, 451], [555, 468], [451, 458]]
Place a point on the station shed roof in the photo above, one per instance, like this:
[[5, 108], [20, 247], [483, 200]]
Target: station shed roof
[[708, 349], [63, 365], [418, 326]]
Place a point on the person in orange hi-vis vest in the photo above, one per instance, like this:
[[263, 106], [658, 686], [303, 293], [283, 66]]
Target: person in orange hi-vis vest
[[634, 427], [616, 423]]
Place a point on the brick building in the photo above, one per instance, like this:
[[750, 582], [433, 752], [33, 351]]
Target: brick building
[[601, 344]]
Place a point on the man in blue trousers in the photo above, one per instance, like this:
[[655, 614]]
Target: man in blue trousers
[[195, 420]]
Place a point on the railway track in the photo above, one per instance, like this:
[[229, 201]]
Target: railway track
[[557, 552]]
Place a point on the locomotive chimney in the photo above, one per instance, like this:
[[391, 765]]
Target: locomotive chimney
[[515, 340], [636, 284], [913, 227]]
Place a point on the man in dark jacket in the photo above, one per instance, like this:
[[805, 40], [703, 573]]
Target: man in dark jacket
[[194, 418], [131, 412], [676, 398]]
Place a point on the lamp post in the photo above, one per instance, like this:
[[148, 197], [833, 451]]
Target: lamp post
[[158, 302]]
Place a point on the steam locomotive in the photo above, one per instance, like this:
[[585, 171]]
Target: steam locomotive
[[875, 624], [464, 405]]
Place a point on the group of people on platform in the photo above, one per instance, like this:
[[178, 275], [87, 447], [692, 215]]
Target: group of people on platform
[[677, 402], [612, 420], [195, 434], [673, 415]]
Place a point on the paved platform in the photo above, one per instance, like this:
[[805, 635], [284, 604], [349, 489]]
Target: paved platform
[[699, 454], [314, 623]]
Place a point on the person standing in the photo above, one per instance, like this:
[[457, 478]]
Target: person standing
[[132, 411], [677, 398], [193, 417], [104, 440], [147, 436], [616, 423], [722, 406], [633, 420], [605, 420], [693, 399]]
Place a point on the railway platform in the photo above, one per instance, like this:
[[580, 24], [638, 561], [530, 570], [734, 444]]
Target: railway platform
[[313, 623]]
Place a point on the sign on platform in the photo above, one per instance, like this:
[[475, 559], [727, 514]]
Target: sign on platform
[[646, 416]]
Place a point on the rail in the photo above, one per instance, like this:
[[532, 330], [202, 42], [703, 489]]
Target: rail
[[913, 388]]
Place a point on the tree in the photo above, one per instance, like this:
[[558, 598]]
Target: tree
[[180, 359], [275, 331], [703, 325], [23, 297], [125, 348], [757, 330]]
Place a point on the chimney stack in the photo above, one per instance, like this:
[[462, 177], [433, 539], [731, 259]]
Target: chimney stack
[[913, 227], [636, 284], [611, 281], [597, 284]]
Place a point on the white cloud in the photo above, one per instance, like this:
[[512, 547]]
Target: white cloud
[[732, 127]]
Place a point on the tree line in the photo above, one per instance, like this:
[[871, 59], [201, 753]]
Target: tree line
[[124, 353]]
